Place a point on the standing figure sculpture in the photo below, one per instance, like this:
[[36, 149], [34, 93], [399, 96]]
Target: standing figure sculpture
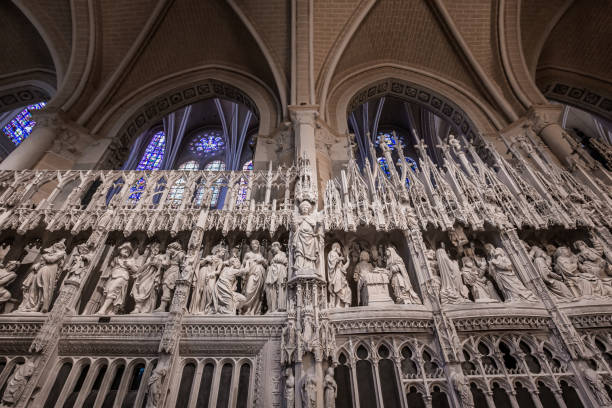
[[228, 301], [306, 239], [475, 279], [452, 289], [275, 285], [362, 269], [79, 263], [7, 276], [289, 388], [115, 287], [203, 298], [155, 386], [176, 257], [255, 263], [309, 391], [592, 267], [147, 280], [400, 282], [338, 288], [330, 389], [566, 265], [39, 285], [17, 383], [502, 270], [553, 280]]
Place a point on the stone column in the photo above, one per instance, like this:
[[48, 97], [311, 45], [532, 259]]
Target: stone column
[[544, 119], [304, 124]]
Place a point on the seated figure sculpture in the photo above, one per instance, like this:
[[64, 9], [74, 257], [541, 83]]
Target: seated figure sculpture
[[475, 279], [502, 270]]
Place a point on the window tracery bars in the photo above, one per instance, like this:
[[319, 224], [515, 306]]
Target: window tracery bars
[[216, 165], [20, 127], [178, 189], [154, 153]]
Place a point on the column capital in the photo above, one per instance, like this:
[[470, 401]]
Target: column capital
[[304, 114]]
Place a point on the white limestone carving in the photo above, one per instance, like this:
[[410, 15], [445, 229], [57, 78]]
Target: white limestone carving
[[502, 270], [148, 277], [227, 299], [81, 260], [176, 256], [7, 276], [597, 387], [475, 279], [275, 285], [17, 382], [39, 285], [155, 385], [289, 394], [330, 389], [461, 385], [306, 240], [203, 296], [122, 268], [553, 280], [363, 268], [452, 289], [400, 282], [255, 263], [338, 287], [309, 391]]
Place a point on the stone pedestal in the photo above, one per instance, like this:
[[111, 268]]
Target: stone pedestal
[[377, 285]]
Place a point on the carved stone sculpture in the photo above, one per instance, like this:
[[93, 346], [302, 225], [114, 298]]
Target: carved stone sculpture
[[597, 387], [39, 285], [79, 263], [592, 267], [255, 264], [155, 386], [552, 279], [203, 298], [309, 392], [5, 247], [122, 267], [461, 385], [362, 269], [306, 239], [330, 389], [147, 280], [7, 276], [338, 288], [452, 289], [502, 270], [475, 279], [275, 285], [566, 265], [228, 300], [400, 282], [176, 257], [289, 388], [17, 382]]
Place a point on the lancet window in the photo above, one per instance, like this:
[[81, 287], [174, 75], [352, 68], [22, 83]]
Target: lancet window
[[20, 127], [154, 153]]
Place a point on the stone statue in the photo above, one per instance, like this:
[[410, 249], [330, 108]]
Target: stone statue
[[275, 285], [592, 267], [461, 385], [17, 382], [115, 287], [79, 263], [474, 278], [155, 386], [400, 282], [306, 239], [228, 301], [255, 264], [566, 265], [597, 386], [452, 289], [147, 280], [176, 257], [309, 392], [39, 285], [289, 388], [362, 269], [7, 276], [553, 280], [203, 299], [330, 389], [502, 270], [5, 247], [338, 288]]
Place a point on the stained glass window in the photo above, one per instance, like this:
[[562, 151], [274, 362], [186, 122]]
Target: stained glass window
[[413, 166], [136, 189], [216, 165], [384, 166], [207, 142], [244, 181], [190, 165], [391, 140], [154, 153], [22, 124]]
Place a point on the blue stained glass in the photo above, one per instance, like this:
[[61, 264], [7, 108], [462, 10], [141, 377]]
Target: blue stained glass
[[22, 124], [207, 142], [190, 165], [216, 165], [154, 153], [413, 166], [391, 142], [136, 189], [383, 165]]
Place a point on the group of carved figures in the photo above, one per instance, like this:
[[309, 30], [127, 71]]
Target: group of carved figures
[[215, 283], [369, 270], [568, 275], [478, 276]]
